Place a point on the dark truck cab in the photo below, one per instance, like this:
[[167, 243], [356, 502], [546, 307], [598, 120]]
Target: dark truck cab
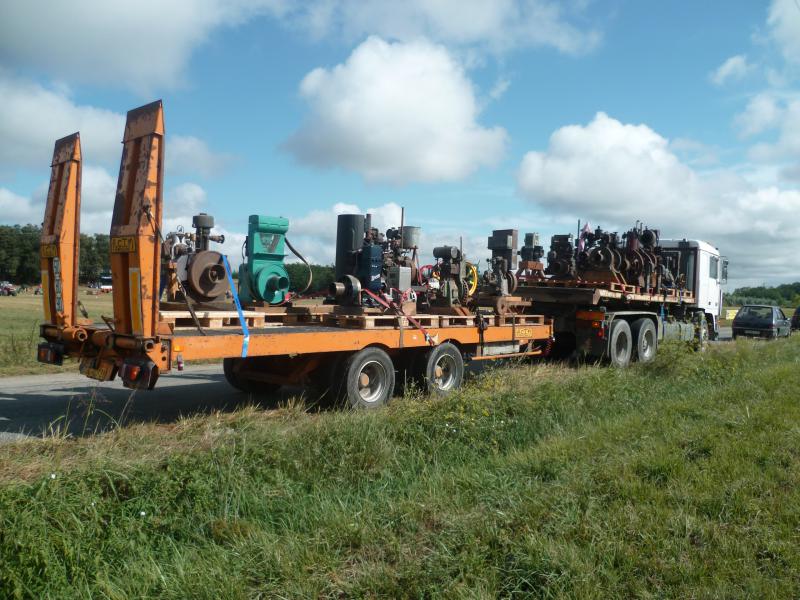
[[761, 321], [796, 318]]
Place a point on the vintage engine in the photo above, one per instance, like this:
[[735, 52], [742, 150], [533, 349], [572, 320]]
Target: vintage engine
[[369, 260], [530, 264], [501, 279], [452, 269], [631, 259], [263, 276], [193, 270], [561, 257]]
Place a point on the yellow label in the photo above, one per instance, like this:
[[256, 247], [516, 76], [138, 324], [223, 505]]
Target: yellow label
[[123, 245], [48, 251], [524, 332], [101, 372], [48, 313], [135, 289]]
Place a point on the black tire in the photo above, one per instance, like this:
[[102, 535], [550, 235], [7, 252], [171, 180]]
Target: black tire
[[620, 346], [443, 369], [367, 379], [645, 338], [232, 367]]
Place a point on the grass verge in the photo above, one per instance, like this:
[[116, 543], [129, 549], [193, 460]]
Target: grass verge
[[674, 479]]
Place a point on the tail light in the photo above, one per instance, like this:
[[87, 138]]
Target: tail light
[[138, 374], [50, 353]]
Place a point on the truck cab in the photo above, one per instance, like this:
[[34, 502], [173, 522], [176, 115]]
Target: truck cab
[[706, 272]]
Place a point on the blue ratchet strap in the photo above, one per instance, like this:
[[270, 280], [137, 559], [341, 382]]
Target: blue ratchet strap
[[245, 331]]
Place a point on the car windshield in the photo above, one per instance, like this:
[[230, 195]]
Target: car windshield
[[758, 312]]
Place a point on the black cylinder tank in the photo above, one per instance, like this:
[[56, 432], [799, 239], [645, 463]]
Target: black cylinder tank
[[349, 239]]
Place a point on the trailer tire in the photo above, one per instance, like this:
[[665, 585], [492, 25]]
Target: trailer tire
[[368, 379], [231, 367], [444, 369], [619, 343], [644, 334]]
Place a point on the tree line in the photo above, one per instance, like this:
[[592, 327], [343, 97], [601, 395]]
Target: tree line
[[19, 259], [787, 294]]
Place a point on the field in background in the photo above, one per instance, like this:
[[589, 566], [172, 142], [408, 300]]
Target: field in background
[[676, 479], [20, 317]]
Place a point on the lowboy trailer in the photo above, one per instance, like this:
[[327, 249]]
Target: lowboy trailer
[[352, 358]]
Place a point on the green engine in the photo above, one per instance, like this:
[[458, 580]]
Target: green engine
[[263, 276]]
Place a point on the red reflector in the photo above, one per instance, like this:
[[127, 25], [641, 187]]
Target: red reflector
[[131, 372]]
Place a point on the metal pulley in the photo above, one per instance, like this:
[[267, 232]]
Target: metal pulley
[[206, 276]]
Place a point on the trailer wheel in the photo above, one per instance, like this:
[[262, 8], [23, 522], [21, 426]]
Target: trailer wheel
[[643, 332], [232, 368], [619, 343], [444, 369], [368, 378]]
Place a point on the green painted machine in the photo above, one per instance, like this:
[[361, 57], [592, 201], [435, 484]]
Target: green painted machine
[[263, 276]]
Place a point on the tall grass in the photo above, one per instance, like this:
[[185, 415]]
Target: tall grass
[[674, 479]]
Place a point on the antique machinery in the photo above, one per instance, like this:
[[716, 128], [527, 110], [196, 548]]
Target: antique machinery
[[263, 276], [561, 258], [452, 268], [369, 260], [530, 265], [193, 270], [631, 259], [500, 279]]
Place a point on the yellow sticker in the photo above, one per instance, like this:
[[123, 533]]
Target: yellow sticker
[[122, 245], [48, 251], [524, 332]]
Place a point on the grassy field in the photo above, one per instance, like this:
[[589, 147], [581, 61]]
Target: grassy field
[[676, 479], [20, 317]]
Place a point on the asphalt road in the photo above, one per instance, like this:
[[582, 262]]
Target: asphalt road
[[35, 404]]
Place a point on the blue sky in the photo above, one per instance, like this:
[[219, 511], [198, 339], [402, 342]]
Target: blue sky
[[472, 115]]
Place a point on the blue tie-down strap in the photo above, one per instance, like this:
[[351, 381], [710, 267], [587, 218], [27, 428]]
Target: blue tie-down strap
[[245, 331]]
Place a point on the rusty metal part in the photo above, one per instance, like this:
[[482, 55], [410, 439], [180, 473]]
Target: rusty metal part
[[136, 223], [59, 248]]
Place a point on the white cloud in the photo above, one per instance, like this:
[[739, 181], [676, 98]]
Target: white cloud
[[733, 69], [787, 144], [17, 210], [763, 112], [613, 174], [784, 27], [34, 117], [395, 112], [498, 26], [138, 45]]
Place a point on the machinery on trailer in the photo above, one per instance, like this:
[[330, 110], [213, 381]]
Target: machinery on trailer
[[615, 296], [350, 349]]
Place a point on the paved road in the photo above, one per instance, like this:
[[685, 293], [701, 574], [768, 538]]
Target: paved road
[[31, 405]]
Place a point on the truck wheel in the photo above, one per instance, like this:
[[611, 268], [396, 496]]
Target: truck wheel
[[643, 331], [368, 378], [444, 369], [619, 344], [232, 367]]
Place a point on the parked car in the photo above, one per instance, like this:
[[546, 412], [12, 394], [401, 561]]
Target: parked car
[[755, 320], [7, 289], [796, 318]]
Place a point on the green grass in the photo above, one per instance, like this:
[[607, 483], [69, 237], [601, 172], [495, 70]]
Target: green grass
[[677, 479], [20, 317]]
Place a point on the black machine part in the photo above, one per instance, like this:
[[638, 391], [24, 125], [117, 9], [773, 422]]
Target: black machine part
[[350, 232]]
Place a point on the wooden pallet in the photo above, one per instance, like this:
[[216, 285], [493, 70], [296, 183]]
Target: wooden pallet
[[366, 321], [520, 320], [457, 320], [212, 319]]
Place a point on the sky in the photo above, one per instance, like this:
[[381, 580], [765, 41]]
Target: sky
[[471, 114]]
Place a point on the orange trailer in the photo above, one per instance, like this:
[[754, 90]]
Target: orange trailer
[[349, 358]]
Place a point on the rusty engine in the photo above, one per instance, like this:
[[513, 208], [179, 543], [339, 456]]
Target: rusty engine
[[633, 258]]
